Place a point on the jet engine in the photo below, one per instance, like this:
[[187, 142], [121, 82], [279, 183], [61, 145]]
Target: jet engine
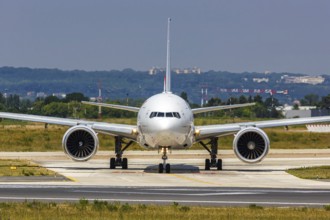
[[251, 144], [80, 143]]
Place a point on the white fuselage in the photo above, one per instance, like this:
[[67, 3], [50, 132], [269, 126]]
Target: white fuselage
[[165, 120]]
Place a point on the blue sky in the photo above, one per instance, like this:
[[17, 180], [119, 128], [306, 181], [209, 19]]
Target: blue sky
[[237, 36]]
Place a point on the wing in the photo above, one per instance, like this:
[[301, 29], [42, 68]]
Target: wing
[[220, 107], [121, 107], [123, 130], [225, 129]]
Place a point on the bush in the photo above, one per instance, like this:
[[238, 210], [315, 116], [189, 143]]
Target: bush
[[254, 206], [327, 207]]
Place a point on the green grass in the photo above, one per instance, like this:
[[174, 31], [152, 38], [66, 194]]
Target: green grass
[[322, 172], [34, 137], [103, 210], [22, 168]]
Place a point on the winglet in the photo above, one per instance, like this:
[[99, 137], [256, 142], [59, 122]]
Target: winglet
[[168, 61]]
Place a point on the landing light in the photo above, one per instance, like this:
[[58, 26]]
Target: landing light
[[135, 132], [197, 132]]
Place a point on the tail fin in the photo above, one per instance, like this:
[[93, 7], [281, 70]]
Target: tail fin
[[168, 61]]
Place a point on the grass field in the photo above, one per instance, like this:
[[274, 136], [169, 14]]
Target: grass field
[[322, 172], [23, 168], [103, 210], [22, 136]]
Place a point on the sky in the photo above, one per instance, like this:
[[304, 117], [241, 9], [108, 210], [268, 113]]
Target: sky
[[234, 35]]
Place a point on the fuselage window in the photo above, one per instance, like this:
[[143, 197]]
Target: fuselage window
[[169, 115], [160, 114]]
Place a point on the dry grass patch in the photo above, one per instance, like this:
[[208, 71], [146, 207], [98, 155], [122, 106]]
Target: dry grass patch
[[103, 210], [322, 172], [23, 168]]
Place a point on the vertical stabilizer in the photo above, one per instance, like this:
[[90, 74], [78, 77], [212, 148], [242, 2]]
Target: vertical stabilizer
[[168, 60]]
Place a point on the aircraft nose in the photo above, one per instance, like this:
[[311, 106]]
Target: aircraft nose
[[167, 133]]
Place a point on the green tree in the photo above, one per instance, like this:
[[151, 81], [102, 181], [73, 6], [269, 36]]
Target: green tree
[[214, 102], [311, 100], [242, 99], [50, 99], [325, 102], [37, 106], [295, 107], [184, 96], [258, 99], [271, 102], [13, 103], [57, 109], [76, 96]]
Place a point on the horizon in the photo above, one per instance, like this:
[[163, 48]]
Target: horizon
[[173, 68]]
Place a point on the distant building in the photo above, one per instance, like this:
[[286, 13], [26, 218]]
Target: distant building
[[31, 94], [313, 80], [41, 95], [303, 112], [260, 80], [156, 70], [194, 70], [60, 95]]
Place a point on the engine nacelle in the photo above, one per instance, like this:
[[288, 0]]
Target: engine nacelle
[[80, 143], [251, 144]]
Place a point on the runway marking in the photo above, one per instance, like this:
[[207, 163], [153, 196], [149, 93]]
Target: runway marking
[[171, 201], [71, 179], [172, 194], [193, 179]]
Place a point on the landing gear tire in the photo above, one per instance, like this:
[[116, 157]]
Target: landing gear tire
[[160, 168], [120, 147], [124, 164], [212, 148], [207, 164], [168, 168], [219, 164], [112, 163]]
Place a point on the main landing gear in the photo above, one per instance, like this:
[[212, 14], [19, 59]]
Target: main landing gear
[[213, 162], [119, 150], [164, 165]]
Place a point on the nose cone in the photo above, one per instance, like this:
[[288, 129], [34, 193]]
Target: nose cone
[[168, 133]]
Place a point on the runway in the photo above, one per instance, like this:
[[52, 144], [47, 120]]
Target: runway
[[238, 184], [168, 195]]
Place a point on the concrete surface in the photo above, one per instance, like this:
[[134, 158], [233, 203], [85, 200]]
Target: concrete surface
[[187, 169]]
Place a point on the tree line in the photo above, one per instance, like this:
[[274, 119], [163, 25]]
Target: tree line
[[262, 109], [71, 106]]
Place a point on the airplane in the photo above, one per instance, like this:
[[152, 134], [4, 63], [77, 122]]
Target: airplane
[[165, 122]]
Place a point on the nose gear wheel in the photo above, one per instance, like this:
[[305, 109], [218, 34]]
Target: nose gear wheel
[[164, 166]]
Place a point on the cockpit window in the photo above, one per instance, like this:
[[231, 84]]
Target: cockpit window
[[165, 114], [169, 115], [153, 114], [176, 114], [160, 114]]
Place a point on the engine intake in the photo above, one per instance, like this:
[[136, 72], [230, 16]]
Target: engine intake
[[80, 143], [251, 145]]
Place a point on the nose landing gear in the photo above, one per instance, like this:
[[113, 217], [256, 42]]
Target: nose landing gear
[[164, 165]]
